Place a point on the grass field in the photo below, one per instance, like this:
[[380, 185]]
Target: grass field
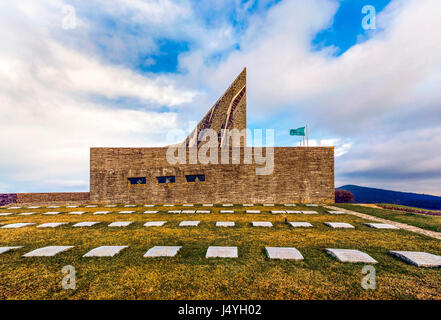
[[428, 222], [190, 275]]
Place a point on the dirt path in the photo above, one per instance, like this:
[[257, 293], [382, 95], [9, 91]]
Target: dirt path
[[432, 234]]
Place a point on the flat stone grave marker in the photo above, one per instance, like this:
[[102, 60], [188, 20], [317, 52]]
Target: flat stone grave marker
[[34, 207], [293, 211], [49, 251], [289, 205], [261, 224], [226, 211], [174, 211], [419, 259], [51, 224], [248, 205], [155, 223], [86, 224], [26, 213], [168, 205], [105, 251], [162, 251], [151, 211], [91, 206], [221, 252], [6, 213], [207, 205], [149, 205], [129, 205], [6, 249], [203, 211], [187, 205], [311, 205], [309, 212], [225, 224], [52, 207], [102, 212], [252, 211], [77, 212], [300, 224], [268, 204], [337, 225], [189, 223], [126, 211], [349, 255], [283, 253], [120, 224], [17, 225], [188, 211], [14, 208], [110, 206], [227, 205], [381, 226], [71, 206], [278, 211], [336, 212], [50, 213]]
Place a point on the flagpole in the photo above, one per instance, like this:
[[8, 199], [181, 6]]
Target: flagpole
[[307, 137]]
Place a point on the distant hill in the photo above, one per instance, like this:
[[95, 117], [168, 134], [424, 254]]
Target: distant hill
[[372, 195]]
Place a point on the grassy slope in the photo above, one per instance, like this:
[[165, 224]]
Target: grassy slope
[[407, 207], [190, 275], [416, 219]]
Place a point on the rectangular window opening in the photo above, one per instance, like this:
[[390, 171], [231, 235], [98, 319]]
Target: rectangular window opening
[[195, 177], [137, 180], [166, 179]]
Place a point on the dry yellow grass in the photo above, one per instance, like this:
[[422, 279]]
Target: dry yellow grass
[[190, 275]]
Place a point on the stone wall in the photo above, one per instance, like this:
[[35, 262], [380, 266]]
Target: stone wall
[[301, 174], [46, 197]]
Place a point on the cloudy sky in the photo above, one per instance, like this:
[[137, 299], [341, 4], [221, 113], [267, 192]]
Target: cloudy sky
[[98, 73]]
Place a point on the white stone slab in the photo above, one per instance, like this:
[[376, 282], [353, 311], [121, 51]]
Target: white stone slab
[[278, 211], [381, 226], [338, 225], [51, 224], [149, 205], [162, 251], [14, 208], [6, 213], [248, 205], [126, 211], [203, 211], [105, 251], [52, 207], [225, 224], [71, 206], [417, 258], [268, 204], [293, 211], [283, 253], [77, 212], [187, 205], [110, 206], [49, 251], [207, 205], [26, 213], [335, 212], [34, 207], [189, 223], [151, 211], [309, 212], [155, 223], [51, 213], [227, 205], [300, 224], [221, 252], [168, 205], [17, 225], [174, 211], [120, 224], [6, 249], [289, 205], [91, 206], [188, 211], [86, 224], [311, 205], [261, 224], [349, 255], [130, 205], [226, 211], [102, 212], [252, 211]]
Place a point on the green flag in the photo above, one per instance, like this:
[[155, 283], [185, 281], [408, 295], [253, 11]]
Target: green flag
[[297, 132]]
